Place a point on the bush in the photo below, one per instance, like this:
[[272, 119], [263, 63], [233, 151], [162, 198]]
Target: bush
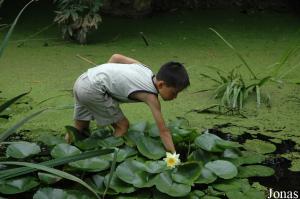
[[77, 18]]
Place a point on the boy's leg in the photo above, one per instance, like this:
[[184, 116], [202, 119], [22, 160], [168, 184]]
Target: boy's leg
[[83, 127], [121, 127]]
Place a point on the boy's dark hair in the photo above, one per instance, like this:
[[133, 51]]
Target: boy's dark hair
[[174, 75]]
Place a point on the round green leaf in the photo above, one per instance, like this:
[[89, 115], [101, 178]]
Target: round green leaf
[[248, 157], [122, 154], [155, 166], [255, 170], [250, 194], [231, 153], [222, 168], [94, 164], [206, 177], [51, 140], [153, 130], [187, 173], [233, 185], [165, 184], [17, 185], [150, 148], [48, 178], [22, 149], [111, 142], [208, 142], [87, 143], [118, 185], [259, 146], [50, 193], [64, 150], [225, 144], [97, 182], [132, 174]]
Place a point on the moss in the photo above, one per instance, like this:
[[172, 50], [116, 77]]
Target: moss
[[183, 36]]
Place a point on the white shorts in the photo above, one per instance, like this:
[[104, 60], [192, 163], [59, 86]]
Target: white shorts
[[93, 104]]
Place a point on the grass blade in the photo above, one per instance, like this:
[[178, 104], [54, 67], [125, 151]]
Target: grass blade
[[112, 169], [235, 51], [53, 171], [8, 34], [13, 129], [11, 101], [258, 97]]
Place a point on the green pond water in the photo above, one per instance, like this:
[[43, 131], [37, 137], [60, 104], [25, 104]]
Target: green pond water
[[49, 66]]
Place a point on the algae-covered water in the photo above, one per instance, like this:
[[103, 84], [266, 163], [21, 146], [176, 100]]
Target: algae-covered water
[[49, 66]]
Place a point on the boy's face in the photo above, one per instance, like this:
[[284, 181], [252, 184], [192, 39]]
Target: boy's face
[[167, 92]]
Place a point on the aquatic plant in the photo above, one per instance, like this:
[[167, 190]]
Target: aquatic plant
[[233, 89], [210, 166], [77, 18], [9, 33]]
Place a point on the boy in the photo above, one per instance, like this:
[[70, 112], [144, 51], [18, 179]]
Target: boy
[[99, 91]]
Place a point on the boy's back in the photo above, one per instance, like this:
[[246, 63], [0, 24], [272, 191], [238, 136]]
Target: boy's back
[[121, 80]]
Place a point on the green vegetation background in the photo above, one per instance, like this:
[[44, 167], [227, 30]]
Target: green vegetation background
[[49, 65]]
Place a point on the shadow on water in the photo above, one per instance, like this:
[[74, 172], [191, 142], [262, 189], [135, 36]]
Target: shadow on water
[[283, 179]]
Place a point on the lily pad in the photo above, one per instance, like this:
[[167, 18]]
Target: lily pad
[[48, 178], [123, 154], [165, 184], [208, 142], [97, 182], [111, 142], [150, 148], [50, 193], [94, 164], [51, 140], [255, 170], [233, 185], [119, 185], [248, 157], [22, 149], [18, 185], [206, 177], [259, 146], [295, 165], [132, 174], [222, 168], [64, 150], [250, 194], [187, 173]]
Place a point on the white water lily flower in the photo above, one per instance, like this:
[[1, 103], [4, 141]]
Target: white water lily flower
[[172, 160]]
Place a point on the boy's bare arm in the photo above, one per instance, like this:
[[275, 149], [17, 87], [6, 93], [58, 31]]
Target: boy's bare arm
[[152, 101], [118, 58]]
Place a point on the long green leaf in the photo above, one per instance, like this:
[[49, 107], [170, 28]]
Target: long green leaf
[[13, 129], [53, 171], [285, 58], [11, 173], [7, 36], [112, 169], [235, 51], [11, 101]]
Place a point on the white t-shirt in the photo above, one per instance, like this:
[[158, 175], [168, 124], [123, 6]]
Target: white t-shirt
[[121, 80]]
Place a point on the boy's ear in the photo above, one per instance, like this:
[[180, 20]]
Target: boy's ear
[[160, 84]]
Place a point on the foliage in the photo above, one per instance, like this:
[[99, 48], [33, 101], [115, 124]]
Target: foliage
[[233, 89], [206, 160], [8, 34], [77, 18]]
